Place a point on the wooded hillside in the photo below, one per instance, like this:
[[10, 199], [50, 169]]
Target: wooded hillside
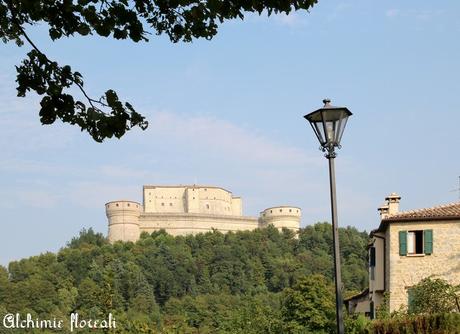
[[230, 283]]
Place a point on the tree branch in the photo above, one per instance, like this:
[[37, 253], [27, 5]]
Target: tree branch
[[29, 40]]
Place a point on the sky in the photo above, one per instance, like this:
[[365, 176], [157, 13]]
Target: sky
[[229, 112]]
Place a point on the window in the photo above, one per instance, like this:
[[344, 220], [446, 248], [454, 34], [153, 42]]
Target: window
[[372, 262], [416, 242]]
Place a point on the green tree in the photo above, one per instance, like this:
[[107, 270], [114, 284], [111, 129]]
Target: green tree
[[434, 295], [4, 285], [88, 237], [126, 19], [309, 307], [208, 283]]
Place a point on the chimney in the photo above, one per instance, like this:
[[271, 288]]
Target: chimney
[[383, 210], [393, 203]]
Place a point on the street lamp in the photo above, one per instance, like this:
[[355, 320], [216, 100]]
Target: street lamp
[[328, 124]]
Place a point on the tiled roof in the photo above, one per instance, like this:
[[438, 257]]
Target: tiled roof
[[447, 211]]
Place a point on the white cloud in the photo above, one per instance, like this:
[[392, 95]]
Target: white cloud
[[292, 20], [417, 14], [94, 194], [224, 140], [39, 199], [392, 12], [338, 10]]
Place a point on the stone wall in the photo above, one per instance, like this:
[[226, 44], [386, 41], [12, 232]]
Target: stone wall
[[186, 223], [191, 199], [404, 272], [182, 210]]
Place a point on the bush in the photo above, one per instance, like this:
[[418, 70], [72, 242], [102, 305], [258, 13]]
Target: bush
[[434, 295], [445, 323]]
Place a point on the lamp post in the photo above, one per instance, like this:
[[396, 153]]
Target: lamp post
[[328, 124]]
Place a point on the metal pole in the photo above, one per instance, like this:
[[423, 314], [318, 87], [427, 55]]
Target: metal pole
[[335, 235]]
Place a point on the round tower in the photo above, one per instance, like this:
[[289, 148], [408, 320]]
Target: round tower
[[282, 217], [123, 219]]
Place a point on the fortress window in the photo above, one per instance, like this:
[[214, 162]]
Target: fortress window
[[205, 189], [297, 211], [281, 210], [271, 211], [162, 204], [290, 210], [193, 197], [207, 206], [170, 204], [116, 204]]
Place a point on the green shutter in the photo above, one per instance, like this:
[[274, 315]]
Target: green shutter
[[410, 299], [403, 243], [428, 241], [372, 257]]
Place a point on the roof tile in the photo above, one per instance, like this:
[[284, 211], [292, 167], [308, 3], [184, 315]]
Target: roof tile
[[449, 211]]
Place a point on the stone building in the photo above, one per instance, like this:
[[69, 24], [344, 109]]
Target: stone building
[[407, 247], [182, 210]]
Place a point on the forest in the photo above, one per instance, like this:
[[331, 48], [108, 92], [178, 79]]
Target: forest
[[262, 281]]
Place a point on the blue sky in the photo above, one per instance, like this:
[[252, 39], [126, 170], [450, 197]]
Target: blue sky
[[228, 112]]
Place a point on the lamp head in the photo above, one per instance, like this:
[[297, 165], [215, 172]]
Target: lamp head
[[328, 123]]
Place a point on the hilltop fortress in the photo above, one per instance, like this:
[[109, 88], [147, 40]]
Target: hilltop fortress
[[182, 210]]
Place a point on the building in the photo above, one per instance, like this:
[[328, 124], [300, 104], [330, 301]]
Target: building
[[409, 246], [182, 210]]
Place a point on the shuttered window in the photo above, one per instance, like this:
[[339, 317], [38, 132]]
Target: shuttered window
[[372, 257], [402, 243], [410, 299], [428, 238], [415, 242]]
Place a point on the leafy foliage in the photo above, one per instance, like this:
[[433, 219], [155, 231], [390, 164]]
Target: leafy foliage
[[437, 323], [309, 306], [245, 282], [434, 295], [103, 118]]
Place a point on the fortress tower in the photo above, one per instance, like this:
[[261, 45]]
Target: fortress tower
[[182, 210], [281, 217], [123, 219]]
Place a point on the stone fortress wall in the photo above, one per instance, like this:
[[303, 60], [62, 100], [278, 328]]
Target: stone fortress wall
[[182, 210]]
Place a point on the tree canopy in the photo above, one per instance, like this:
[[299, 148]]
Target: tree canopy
[[107, 116], [245, 282]]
